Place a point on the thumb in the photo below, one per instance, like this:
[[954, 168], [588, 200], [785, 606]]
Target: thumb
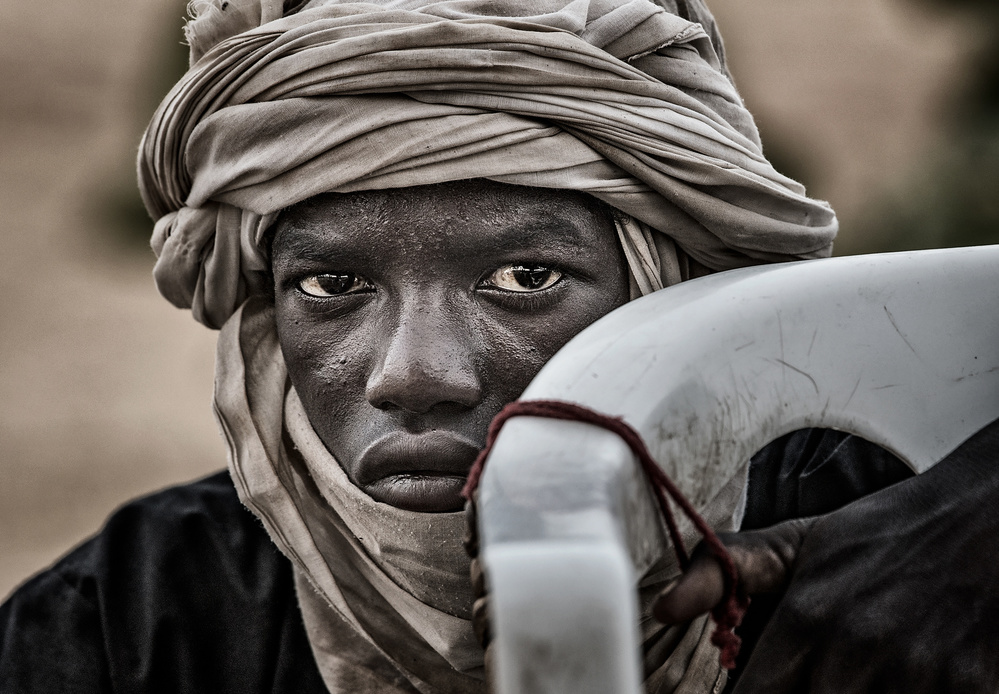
[[764, 560]]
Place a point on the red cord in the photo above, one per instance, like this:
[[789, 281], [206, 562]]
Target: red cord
[[729, 613]]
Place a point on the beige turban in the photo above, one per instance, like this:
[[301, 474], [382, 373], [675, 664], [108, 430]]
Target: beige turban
[[620, 99], [616, 98]]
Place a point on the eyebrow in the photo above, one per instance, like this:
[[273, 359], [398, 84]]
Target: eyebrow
[[558, 233], [300, 242], [303, 243]]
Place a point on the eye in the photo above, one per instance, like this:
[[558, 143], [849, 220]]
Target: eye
[[523, 278], [328, 285]]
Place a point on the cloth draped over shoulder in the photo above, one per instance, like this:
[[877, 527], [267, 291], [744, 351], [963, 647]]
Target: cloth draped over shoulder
[[626, 100], [621, 99]]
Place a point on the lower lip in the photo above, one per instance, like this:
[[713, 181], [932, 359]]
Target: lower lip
[[422, 493]]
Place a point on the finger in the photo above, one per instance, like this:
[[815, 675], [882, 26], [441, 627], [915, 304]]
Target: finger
[[700, 588], [480, 621], [764, 561]]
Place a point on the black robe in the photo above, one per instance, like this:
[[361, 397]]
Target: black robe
[[182, 591]]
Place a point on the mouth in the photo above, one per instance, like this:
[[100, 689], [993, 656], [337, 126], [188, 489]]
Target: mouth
[[417, 472]]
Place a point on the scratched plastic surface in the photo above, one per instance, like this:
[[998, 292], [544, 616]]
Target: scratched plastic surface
[[902, 349]]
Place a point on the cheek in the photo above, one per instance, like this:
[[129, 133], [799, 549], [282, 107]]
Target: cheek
[[587, 304], [327, 362], [517, 347], [512, 357]]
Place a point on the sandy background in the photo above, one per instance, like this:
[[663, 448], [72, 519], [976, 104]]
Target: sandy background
[[105, 388]]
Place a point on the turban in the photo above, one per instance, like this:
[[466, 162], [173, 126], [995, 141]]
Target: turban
[[616, 98]]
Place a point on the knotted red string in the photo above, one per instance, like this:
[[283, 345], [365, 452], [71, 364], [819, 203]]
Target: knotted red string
[[727, 614]]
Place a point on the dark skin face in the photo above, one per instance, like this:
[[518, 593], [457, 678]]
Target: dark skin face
[[408, 318]]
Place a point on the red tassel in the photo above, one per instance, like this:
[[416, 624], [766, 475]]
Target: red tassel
[[729, 613]]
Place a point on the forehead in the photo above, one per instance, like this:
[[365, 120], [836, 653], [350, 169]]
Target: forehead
[[448, 217]]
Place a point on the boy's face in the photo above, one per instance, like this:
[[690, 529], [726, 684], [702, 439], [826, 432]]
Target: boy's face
[[409, 317]]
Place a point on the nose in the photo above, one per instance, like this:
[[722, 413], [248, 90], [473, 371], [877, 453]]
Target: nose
[[427, 359]]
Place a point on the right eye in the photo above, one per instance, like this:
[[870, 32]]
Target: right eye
[[328, 285], [522, 279]]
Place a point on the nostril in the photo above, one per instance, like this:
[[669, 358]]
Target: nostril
[[384, 405]]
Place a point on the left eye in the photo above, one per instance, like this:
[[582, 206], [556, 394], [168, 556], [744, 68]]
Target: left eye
[[327, 285], [523, 278]]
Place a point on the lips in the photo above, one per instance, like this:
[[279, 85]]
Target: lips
[[417, 472]]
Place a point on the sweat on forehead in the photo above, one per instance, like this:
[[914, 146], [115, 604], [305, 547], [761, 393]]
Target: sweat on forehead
[[416, 206]]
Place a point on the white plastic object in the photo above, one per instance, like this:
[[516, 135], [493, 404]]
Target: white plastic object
[[902, 349]]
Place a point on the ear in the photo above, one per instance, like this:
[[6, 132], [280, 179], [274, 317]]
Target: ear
[[213, 21]]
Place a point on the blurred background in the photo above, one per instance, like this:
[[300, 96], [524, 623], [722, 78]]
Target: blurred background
[[887, 108]]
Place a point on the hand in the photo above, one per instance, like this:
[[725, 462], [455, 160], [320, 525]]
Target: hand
[[896, 592]]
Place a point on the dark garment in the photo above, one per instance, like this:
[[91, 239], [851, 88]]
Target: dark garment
[[815, 471], [807, 473], [183, 591]]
